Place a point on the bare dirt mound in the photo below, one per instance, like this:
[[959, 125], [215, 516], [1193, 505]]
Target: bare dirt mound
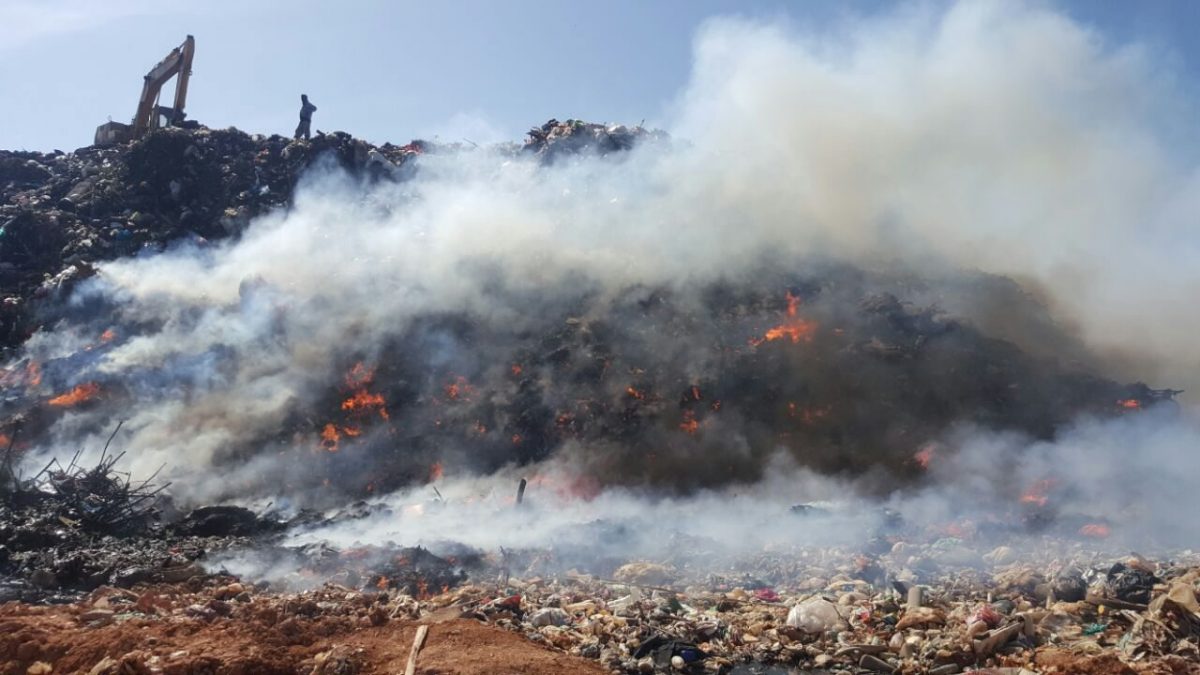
[[255, 638]]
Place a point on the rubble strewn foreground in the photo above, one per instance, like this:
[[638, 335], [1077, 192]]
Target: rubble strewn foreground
[[153, 594], [97, 579], [809, 611]]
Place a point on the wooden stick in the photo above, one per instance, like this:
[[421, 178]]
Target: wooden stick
[[997, 638], [110, 440], [418, 642], [1094, 599]]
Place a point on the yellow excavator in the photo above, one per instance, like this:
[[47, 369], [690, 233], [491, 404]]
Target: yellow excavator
[[151, 115]]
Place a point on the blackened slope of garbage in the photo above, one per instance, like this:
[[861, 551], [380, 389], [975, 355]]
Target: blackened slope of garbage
[[60, 213], [46, 557], [677, 388], [672, 386], [55, 540]]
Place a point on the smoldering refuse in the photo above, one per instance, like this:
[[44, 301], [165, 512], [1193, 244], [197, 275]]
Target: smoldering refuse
[[830, 285]]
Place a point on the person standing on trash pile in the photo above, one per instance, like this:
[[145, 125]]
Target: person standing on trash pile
[[306, 111]]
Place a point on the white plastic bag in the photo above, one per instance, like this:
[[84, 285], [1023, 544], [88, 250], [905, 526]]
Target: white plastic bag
[[815, 615]]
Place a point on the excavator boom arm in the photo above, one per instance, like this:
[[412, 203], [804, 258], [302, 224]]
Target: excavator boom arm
[[178, 62], [185, 73]]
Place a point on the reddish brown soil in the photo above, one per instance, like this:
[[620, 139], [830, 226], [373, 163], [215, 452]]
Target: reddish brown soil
[[1053, 661], [265, 645]]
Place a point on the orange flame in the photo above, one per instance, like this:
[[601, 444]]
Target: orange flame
[[33, 373], [359, 376], [793, 302], [29, 376], [459, 389], [634, 393], [363, 401], [795, 328], [108, 335], [1129, 404], [1039, 493], [330, 437], [690, 424], [80, 394], [516, 369], [436, 472], [1095, 530]]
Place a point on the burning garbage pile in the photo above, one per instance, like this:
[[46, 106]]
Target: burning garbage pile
[[861, 376], [823, 364], [843, 380], [332, 351], [554, 140], [61, 213]]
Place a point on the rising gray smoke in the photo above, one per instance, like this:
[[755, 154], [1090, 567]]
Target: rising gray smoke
[[997, 138]]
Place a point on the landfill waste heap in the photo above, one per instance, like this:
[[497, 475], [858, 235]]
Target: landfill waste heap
[[103, 573], [60, 213]]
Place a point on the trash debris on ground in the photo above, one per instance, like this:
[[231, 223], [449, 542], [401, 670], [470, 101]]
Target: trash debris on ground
[[973, 626]]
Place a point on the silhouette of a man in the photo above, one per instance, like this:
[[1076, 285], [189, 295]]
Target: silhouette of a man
[[306, 111]]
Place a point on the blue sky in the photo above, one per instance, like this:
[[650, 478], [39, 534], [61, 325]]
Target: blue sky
[[392, 71]]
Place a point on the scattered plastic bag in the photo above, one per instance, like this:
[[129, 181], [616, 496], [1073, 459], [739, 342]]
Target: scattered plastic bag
[[549, 616], [815, 615], [766, 595]]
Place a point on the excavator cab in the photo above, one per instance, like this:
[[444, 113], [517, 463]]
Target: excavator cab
[[166, 116], [151, 115]]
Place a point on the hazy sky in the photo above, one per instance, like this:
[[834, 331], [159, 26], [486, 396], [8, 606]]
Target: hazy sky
[[392, 71]]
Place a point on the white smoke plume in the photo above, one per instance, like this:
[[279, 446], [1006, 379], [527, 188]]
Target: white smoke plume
[[995, 136]]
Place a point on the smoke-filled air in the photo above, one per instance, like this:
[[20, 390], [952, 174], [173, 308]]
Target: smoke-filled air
[[876, 350], [917, 260]]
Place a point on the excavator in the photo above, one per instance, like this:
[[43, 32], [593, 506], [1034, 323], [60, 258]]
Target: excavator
[[151, 115]]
